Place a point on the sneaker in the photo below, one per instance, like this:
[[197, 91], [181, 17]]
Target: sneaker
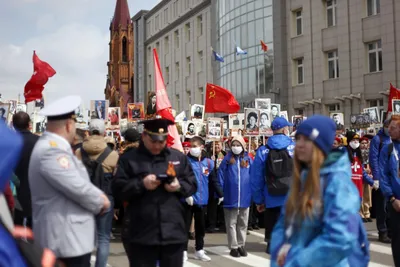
[[383, 238], [364, 220], [255, 227], [369, 220], [250, 228], [185, 256], [200, 255], [242, 252], [235, 253]]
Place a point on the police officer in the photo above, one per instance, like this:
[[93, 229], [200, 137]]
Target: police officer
[[153, 179], [64, 201]]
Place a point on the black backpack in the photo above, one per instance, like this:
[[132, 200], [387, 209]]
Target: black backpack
[[279, 170], [95, 168]]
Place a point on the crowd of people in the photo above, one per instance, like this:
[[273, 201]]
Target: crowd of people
[[312, 190]]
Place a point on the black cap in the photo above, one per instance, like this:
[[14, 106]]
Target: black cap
[[132, 135], [157, 129]]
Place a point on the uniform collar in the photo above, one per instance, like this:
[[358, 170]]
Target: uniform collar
[[59, 138]]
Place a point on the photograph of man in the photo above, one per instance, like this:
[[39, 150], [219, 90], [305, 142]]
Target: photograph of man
[[13, 105], [99, 109], [396, 107], [275, 110], [20, 107], [151, 106], [235, 120], [338, 119], [373, 114], [197, 112]]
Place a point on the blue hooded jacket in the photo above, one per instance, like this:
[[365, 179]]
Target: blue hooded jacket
[[10, 148], [258, 186], [374, 153], [235, 181], [389, 171], [330, 239], [204, 172]]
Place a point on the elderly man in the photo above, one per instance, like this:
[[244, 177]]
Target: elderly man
[[64, 201]]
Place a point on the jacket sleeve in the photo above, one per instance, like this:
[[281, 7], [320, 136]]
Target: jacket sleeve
[[278, 235], [187, 180], [339, 230], [221, 173], [385, 183], [366, 178], [257, 180], [214, 180], [55, 166], [374, 157], [125, 185]]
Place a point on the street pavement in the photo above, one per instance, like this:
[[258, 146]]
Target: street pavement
[[216, 248]]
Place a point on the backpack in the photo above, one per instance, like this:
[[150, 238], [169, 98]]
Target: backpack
[[95, 168], [279, 169]]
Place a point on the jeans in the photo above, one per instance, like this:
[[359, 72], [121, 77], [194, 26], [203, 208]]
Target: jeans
[[104, 226]]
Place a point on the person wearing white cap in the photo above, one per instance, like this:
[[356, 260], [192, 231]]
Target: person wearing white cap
[[64, 201]]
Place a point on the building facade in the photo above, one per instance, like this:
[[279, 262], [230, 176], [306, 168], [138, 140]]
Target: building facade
[[139, 67], [180, 31], [342, 55], [246, 24], [119, 85]]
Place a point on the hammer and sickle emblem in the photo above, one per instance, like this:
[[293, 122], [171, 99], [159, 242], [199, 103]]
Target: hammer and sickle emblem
[[212, 94]]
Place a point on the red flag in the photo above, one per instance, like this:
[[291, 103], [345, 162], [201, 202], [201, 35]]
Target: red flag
[[264, 46], [220, 100], [393, 94], [163, 106], [42, 71]]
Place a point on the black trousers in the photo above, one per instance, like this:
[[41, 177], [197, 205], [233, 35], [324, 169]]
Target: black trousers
[[379, 203], [199, 225], [395, 229], [212, 212], [80, 261], [147, 256], [253, 220], [271, 216], [22, 220]]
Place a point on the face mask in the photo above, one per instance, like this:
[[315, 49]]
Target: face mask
[[195, 151], [354, 144], [386, 131], [237, 150]]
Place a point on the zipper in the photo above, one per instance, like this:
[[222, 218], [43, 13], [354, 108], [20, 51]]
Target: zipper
[[200, 180], [238, 165]]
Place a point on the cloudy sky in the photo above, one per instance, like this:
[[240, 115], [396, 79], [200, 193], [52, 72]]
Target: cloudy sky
[[71, 35]]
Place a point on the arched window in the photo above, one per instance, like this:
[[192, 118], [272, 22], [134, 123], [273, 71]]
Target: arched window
[[124, 50]]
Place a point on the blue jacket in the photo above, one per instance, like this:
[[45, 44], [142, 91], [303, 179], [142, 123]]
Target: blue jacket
[[330, 238], [389, 169], [10, 147], [204, 172], [257, 181], [235, 181], [374, 153]]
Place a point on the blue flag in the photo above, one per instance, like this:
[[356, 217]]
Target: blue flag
[[240, 51], [218, 57]]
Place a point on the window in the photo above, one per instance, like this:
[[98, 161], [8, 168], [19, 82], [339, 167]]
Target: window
[[299, 111], [187, 4], [150, 81], [200, 25], [299, 22], [177, 70], [187, 32], [300, 70], [166, 44], [176, 11], [166, 15], [334, 107], [156, 23], [148, 53], [166, 75], [189, 96], [176, 33], [177, 102], [201, 95], [331, 12], [188, 66], [375, 56], [200, 56], [333, 65], [158, 47], [373, 7], [124, 50]]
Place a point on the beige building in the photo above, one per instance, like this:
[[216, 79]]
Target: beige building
[[180, 31], [342, 54]]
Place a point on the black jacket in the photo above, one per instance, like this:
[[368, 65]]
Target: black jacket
[[156, 217], [22, 169]]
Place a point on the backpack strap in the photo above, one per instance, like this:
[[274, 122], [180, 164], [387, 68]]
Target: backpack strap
[[84, 154], [104, 155]]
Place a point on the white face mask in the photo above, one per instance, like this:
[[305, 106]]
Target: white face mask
[[354, 144], [237, 150], [195, 151]]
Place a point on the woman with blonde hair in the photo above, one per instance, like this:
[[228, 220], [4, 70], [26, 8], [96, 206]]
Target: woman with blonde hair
[[320, 224]]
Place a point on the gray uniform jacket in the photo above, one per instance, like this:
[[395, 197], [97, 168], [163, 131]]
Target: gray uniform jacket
[[64, 201]]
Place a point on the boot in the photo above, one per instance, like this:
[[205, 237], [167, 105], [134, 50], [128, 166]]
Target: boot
[[383, 238]]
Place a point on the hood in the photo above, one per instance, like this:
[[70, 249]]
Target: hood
[[94, 144], [279, 141], [382, 133], [337, 161]]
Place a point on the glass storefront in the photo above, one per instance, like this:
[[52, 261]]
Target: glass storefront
[[244, 23]]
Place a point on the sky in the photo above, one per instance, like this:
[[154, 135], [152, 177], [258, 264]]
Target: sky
[[71, 35]]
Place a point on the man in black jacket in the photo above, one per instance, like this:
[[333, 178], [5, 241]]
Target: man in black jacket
[[21, 122], [153, 179]]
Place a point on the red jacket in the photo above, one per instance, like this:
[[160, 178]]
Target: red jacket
[[9, 197]]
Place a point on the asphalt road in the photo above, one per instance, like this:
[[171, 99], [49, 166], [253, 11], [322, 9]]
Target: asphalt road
[[216, 248]]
